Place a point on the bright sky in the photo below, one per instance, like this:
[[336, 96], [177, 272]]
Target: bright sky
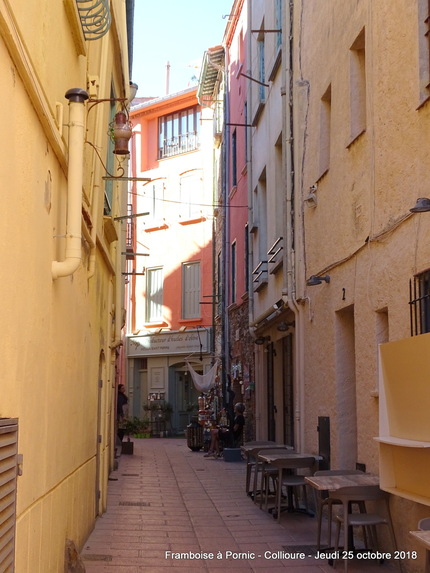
[[175, 31]]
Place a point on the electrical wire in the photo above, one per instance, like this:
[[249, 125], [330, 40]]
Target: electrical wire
[[212, 205]]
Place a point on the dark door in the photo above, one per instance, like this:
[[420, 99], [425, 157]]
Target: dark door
[[288, 394], [271, 407]]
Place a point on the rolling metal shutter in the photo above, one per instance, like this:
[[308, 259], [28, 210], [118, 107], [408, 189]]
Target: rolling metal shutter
[[8, 477]]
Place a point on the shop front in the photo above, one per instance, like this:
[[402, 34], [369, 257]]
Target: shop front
[[160, 387]]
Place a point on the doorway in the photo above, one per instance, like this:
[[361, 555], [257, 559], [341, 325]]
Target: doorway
[[288, 397], [184, 399], [346, 390], [271, 407]]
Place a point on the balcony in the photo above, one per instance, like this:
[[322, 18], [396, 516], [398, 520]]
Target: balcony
[[178, 145]]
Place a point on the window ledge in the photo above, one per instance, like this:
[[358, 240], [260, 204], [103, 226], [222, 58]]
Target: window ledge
[[260, 285], [157, 228], [276, 266], [109, 229], [258, 112], [276, 64], [193, 221], [355, 138], [232, 192], [189, 321], [402, 442]]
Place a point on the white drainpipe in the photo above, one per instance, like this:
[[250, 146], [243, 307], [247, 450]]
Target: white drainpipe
[[76, 97], [289, 286]]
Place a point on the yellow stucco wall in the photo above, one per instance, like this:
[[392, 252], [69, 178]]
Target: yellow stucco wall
[[55, 331], [361, 231]]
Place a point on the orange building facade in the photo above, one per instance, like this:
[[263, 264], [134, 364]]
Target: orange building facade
[[169, 254]]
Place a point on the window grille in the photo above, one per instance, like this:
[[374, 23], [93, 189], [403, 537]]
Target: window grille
[[419, 303], [8, 476], [95, 18]]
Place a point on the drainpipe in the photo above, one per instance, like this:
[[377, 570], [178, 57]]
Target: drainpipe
[[249, 173], [76, 97], [289, 286], [225, 341]]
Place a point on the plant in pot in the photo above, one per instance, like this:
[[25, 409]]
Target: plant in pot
[[143, 428]]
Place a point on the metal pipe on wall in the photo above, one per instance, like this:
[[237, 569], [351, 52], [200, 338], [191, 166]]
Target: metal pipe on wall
[[289, 287], [70, 264]]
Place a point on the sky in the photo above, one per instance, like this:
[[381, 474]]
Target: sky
[[175, 31]]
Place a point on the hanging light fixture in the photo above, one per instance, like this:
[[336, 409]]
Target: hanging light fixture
[[262, 340], [284, 326], [316, 280], [421, 206], [121, 130]]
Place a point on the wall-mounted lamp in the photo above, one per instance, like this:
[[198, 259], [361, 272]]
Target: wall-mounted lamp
[[121, 131], [284, 326], [311, 197], [261, 340], [421, 206], [316, 280], [133, 91]]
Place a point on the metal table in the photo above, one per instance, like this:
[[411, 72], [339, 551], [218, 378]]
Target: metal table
[[282, 461], [251, 450]]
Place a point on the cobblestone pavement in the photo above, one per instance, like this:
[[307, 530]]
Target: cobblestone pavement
[[171, 507]]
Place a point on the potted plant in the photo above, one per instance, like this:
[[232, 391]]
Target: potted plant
[[142, 428]]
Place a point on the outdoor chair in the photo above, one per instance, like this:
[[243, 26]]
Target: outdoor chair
[[269, 474], [322, 500], [424, 524], [368, 521], [252, 460], [293, 482]]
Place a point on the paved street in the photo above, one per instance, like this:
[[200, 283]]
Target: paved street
[[165, 501]]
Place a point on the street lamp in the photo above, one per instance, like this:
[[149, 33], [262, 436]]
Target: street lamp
[[421, 206]]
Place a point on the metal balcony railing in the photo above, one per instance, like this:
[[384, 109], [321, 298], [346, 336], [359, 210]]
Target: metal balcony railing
[[180, 144]]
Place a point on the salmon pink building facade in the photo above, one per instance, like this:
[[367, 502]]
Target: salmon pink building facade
[[169, 244]]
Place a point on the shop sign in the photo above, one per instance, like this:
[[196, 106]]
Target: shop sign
[[167, 343]]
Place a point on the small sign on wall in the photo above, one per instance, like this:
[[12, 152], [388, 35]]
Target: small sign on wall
[[156, 379]]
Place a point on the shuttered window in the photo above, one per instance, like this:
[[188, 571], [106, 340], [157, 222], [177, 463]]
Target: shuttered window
[[154, 294], [191, 290], [8, 474]]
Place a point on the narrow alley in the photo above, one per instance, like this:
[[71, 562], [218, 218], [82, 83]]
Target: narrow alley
[[166, 501]]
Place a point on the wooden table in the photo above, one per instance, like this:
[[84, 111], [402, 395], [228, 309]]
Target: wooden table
[[282, 460], [423, 537], [251, 450], [332, 483]]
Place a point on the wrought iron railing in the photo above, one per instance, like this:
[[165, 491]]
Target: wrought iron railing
[[180, 144], [95, 18], [419, 303]]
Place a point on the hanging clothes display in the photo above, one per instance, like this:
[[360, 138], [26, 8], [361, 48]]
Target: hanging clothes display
[[203, 382]]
